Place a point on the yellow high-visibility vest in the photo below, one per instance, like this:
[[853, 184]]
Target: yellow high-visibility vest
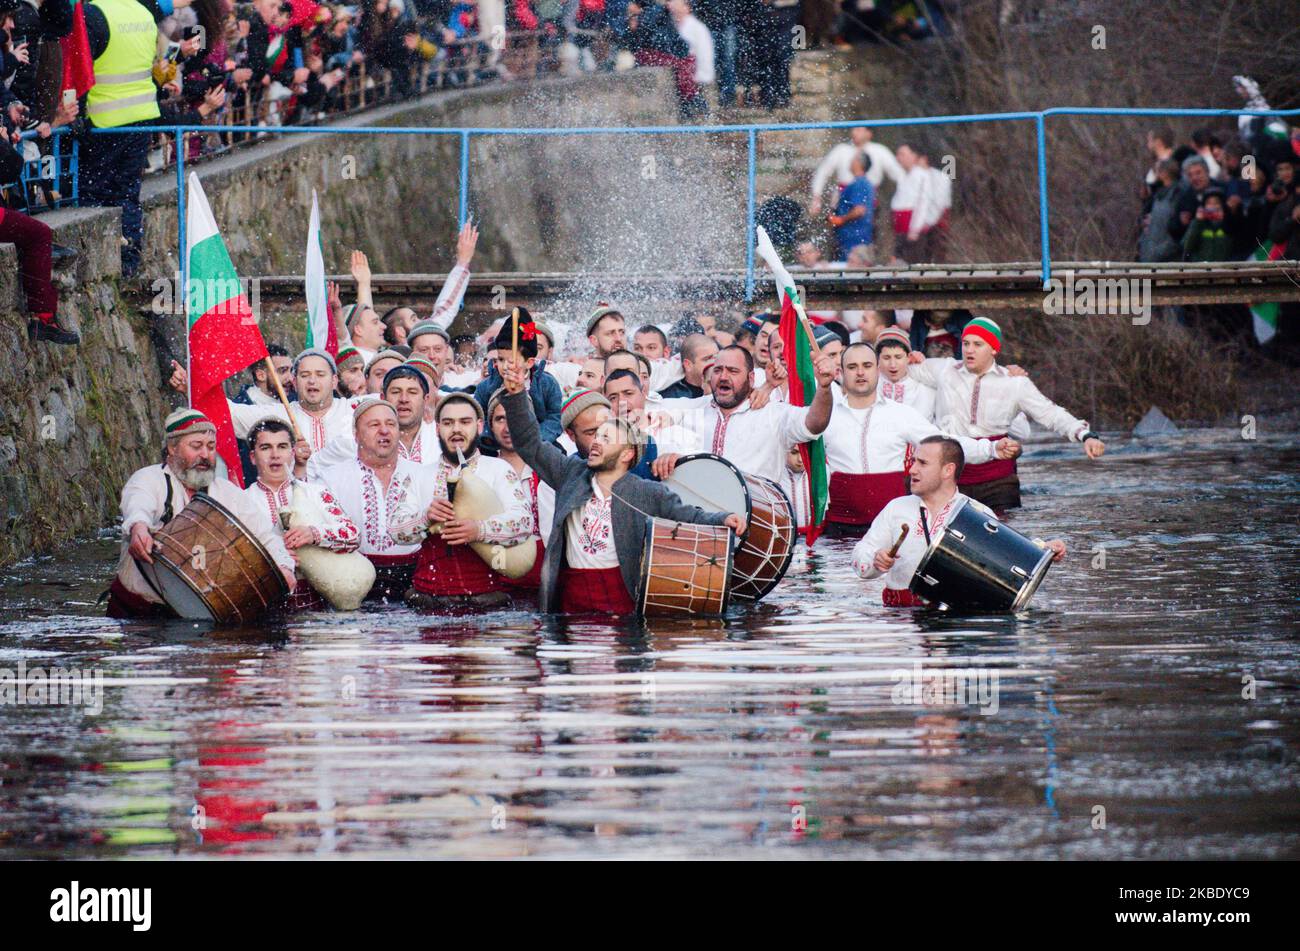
[[124, 90]]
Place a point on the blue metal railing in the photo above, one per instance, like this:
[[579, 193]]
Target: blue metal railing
[[50, 170], [749, 130]]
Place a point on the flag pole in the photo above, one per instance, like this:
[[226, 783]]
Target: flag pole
[[183, 252], [274, 377], [514, 334]]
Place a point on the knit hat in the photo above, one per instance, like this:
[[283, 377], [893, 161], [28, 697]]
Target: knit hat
[[462, 397], [824, 335], [384, 355], [425, 366], [426, 327], [186, 422], [315, 352], [347, 355], [405, 370], [580, 400], [751, 326], [366, 404], [602, 310], [986, 330], [546, 332], [894, 335], [346, 313], [495, 400]]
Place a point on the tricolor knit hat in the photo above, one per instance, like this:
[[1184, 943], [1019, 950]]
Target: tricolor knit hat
[[579, 401], [347, 355], [426, 327], [186, 422], [366, 404], [893, 335], [462, 397], [425, 366], [986, 330], [602, 310]]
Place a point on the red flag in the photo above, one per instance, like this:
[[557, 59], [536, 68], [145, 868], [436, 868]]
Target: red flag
[[796, 353], [78, 64]]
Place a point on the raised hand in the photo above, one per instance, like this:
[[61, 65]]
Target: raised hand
[[179, 379], [466, 242], [360, 267]]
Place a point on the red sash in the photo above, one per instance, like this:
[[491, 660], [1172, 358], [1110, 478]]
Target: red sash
[[902, 221], [858, 499], [594, 590], [533, 579], [392, 561], [901, 598], [444, 569], [124, 604], [304, 598], [988, 471]]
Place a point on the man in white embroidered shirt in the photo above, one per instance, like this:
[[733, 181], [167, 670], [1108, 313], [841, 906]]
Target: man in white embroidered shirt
[[978, 398], [449, 573], [754, 440], [935, 471], [154, 495]]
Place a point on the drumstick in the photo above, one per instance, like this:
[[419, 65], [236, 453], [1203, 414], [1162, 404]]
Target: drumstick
[[284, 400], [901, 535], [514, 334]]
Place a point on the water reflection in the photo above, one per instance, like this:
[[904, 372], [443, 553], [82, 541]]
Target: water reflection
[[775, 731]]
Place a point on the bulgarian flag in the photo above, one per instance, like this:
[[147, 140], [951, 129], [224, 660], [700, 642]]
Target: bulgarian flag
[[320, 326], [796, 352], [1265, 315], [223, 337]]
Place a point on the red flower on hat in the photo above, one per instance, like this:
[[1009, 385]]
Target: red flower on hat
[[528, 331]]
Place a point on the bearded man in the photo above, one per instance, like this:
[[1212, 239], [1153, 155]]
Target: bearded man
[[154, 495]]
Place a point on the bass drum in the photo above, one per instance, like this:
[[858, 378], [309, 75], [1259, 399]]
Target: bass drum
[[766, 548], [685, 569], [977, 563], [208, 567]]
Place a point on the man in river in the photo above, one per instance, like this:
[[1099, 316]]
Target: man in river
[[593, 555], [154, 495], [980, 399], [934, 474]]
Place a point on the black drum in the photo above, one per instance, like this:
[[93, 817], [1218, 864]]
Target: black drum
[[976, 562]]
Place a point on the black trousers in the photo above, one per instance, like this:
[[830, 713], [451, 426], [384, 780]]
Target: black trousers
[[111, 169]]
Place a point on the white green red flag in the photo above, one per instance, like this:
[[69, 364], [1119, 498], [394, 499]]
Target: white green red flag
[[796, 353], [223, 336], [320, 326], [1265, 315]]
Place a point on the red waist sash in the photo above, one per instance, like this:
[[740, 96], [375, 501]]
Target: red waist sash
[[124, 604], [902, 598], [588, 590], [393, 561], [453, 570], [534, 577], [988, 471], [858, 499]]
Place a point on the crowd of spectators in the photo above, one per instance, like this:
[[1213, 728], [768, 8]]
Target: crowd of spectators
[[1223, 194]]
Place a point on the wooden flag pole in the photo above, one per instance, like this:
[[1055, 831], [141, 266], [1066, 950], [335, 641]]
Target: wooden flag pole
[[808, 327], [514, 334], [284, 400]]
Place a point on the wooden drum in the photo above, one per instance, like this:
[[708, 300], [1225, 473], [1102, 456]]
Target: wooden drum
[[208, 567], [766, 548], [685, 569]]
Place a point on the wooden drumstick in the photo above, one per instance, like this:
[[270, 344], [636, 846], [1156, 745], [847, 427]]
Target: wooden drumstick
[[893, 552]]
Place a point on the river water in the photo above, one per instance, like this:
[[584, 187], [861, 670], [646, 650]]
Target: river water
[[1145, 707]]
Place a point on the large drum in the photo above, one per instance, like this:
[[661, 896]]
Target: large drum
[[766, 547], [976, 562], [685, 569], [208, 567]]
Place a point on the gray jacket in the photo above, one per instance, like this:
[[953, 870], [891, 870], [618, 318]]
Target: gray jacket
[[571, 480]]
